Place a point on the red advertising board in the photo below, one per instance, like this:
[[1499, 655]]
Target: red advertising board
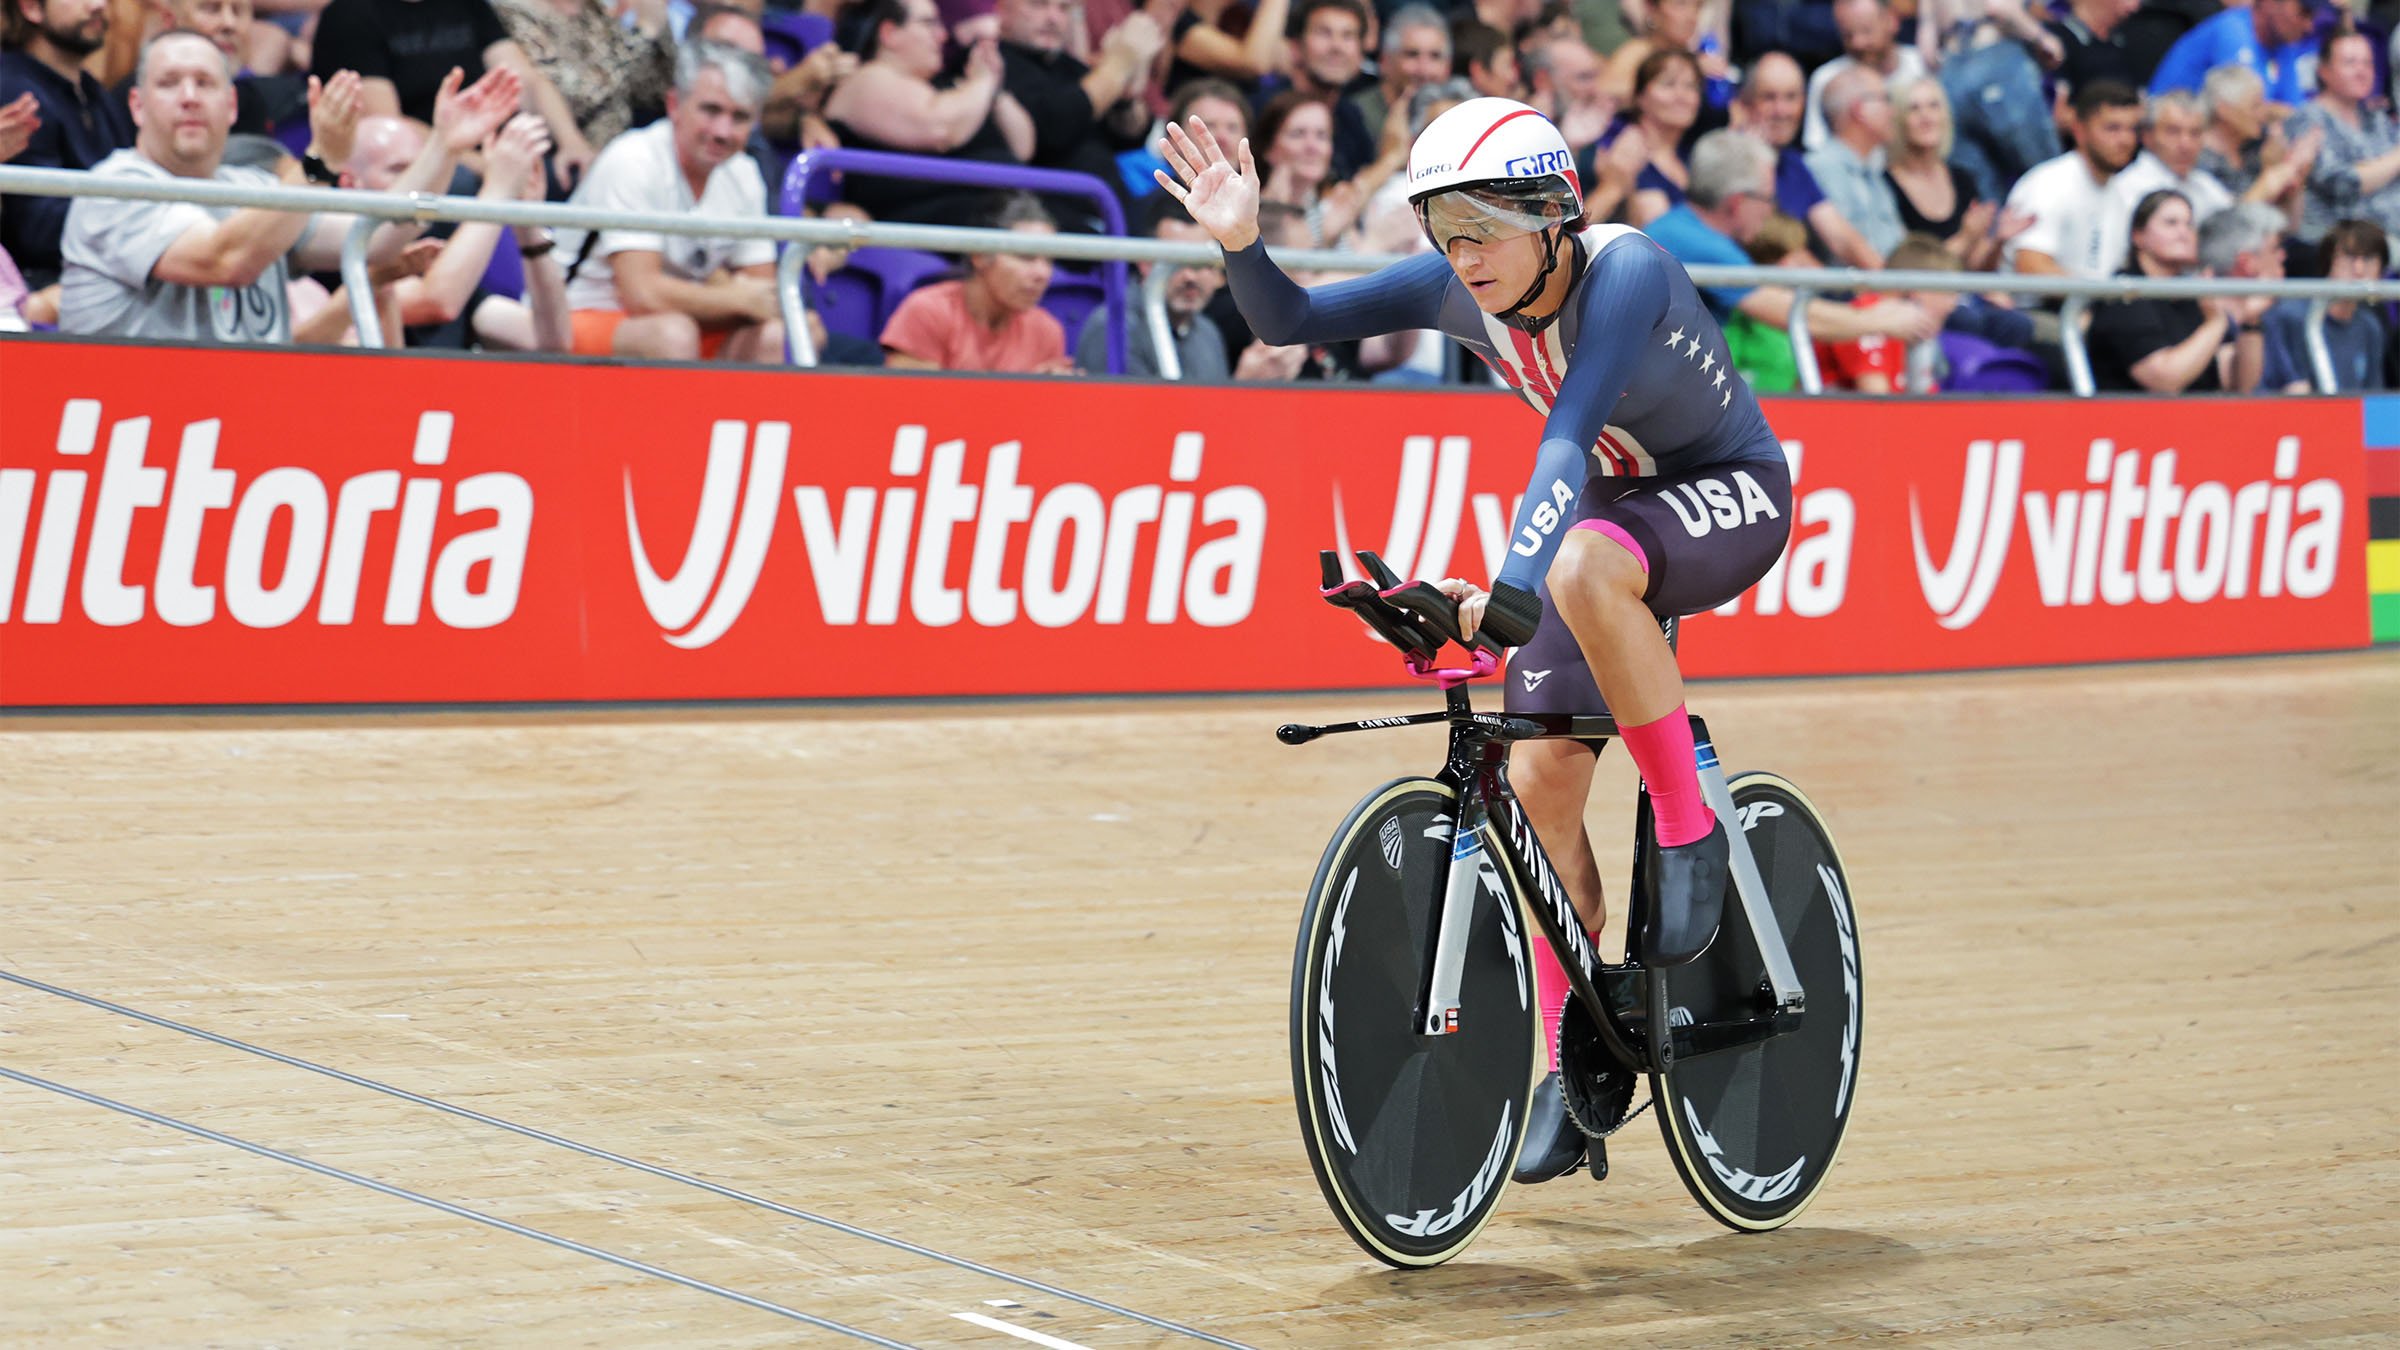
[[195, 527]]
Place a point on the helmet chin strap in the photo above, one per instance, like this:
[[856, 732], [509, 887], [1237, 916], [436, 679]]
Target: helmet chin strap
[[1514, 316]]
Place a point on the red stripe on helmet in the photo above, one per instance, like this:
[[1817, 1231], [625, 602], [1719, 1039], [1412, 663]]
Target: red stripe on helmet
[[1487, 134]]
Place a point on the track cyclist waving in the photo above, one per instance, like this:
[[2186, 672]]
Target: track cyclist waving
[[1657, 490]]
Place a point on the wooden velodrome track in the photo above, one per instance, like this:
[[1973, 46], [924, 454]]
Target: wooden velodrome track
[[1008, 982]]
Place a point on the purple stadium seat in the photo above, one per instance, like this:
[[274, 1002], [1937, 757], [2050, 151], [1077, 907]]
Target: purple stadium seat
[[1980, 367], [505, 275], [792, 36], [1072, 296], [859, 299]]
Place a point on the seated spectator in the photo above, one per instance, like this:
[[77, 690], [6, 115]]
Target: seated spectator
[[1219, 106], [1481, 55], [681, 297], [2355, 250], [1935, 196], [1990, 55], [2354, 174], [2272, 37], [1666, 103], [1764, 355], [1199, 346], [2066, 199], [2245, 149], [2171, 346], [192, 273], [823, 260], [2092, 43], [1849, 165], [406, 48], [1875, 364], [892, 103], [1326, 62], [1283, 227], [447, 305], [1205, 42], [992, 320], [1082, 115], [1671, 25], [2170, 158], [1296, 131], [42, 49], [1416, 53], [1773, 95], [601, 68], [1732, 195], [1871, 38], [1563, 80]]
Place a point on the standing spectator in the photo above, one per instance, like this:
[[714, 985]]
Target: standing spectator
[[1732, 195], [1666, 103], [2170, 158], [1416, 53], [405, 48], [1563, 77], [2089, 35], [2172, 346], [1077, 110], [192, 273], [1481, 54], [1935, 196], [1850, 165], [1774, 94], [2355, 250], [892, 103], [2066, 199], [2353, 176], [681, 297], [1204, 45], [41, 54], [1871, 38], [2272, 37], [2246, 150], [603, 69], [1199, 346], [993, 319], [1875, 364], [1990, 55]]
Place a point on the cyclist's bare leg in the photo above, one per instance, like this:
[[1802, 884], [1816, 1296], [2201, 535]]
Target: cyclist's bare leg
[[1553, 781], [1597, 586]]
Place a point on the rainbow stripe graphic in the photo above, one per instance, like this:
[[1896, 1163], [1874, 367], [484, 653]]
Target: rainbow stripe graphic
[[2382, 417]]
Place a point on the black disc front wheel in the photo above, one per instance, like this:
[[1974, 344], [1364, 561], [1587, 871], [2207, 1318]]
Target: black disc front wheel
[[1753, 1129], [1411, 1136]]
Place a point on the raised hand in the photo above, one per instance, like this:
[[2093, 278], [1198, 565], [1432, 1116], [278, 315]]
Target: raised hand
[[333, 110], [2014, 221], [464, 119], [1223, 198], [18, 121], [514, 155], [983, 61]]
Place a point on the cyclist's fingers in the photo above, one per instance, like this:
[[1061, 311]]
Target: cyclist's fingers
[[1470, 613]]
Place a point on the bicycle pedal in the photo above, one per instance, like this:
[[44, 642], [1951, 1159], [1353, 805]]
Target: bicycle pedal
[[1595, 1157]]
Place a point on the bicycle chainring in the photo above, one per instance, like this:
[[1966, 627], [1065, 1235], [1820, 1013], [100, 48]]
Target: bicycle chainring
[[1598, 1090]]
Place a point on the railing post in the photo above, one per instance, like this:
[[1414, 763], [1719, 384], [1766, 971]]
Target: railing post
[[799, 344], [2070, 341], [2320, 356], [363, 315], [1162, 328], [1804, 350]]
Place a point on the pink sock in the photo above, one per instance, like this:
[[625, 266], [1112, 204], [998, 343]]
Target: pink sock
[[1551, 991], [1662, 750]]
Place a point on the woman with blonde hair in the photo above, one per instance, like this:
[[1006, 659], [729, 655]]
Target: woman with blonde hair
[[1937, 197]]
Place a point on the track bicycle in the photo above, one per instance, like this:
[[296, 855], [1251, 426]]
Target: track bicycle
[[1416, 1038]]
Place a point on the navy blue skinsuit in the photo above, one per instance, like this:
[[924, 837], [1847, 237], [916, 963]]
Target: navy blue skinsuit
[[1647, 427]]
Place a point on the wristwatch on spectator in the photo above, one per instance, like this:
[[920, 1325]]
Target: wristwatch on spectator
[[543, 241], [318, 171]]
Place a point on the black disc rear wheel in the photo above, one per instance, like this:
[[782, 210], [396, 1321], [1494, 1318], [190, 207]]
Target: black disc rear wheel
[[1411, 1136], [1753, 1130]]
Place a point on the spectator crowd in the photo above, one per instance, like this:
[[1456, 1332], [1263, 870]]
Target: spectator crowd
[[2089, 138]]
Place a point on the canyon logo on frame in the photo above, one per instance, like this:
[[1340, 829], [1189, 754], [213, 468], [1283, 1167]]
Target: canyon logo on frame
[[213, 526]]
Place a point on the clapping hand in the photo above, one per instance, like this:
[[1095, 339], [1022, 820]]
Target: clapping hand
[[513, 156], [1220, 196], [18, 121], [333, 110], [465, 119]]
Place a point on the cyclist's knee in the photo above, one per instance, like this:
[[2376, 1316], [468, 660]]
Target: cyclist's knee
[[1549, 774], [1591, 567]]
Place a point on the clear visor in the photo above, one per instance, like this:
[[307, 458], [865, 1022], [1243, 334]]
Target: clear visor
[[1482, 216]]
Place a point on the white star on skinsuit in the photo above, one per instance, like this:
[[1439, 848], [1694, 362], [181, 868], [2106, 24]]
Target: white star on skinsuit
[[1675, 338], [1693, 350], [1725, 400], [1708, 363], [1719, 382]]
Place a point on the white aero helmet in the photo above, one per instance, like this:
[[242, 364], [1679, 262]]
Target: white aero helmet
[[1490, 167]]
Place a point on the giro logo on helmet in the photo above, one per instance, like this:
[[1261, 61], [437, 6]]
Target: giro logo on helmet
[[1532, 166]]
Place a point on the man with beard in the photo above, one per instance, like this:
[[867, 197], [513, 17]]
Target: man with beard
[[42, 53], [2068, 196], [1199, 345]]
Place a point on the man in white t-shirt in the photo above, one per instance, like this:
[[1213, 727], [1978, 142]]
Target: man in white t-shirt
[[1871, 37], [2068, 197], [190, 273], [2171, 128], [681, 297]]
